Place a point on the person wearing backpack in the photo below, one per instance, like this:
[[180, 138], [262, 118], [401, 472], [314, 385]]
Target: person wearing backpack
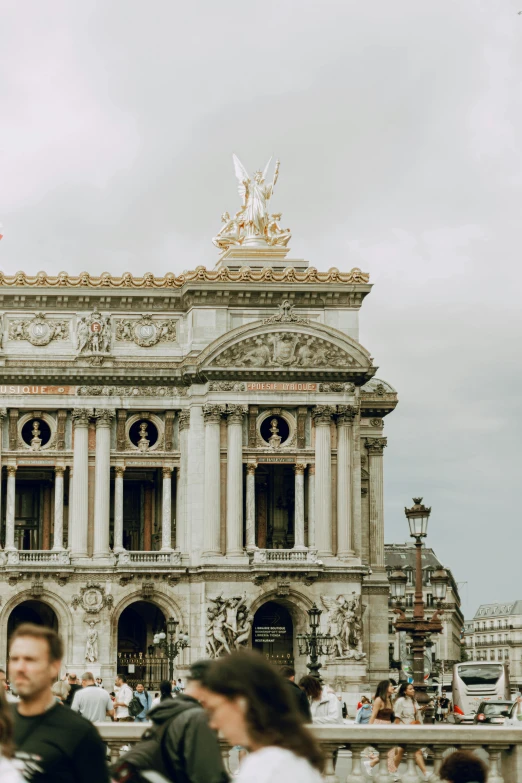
[[179, 745], [123, 699], [145, 700]]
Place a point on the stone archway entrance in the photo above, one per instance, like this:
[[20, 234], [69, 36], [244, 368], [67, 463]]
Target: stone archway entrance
[[31, 611], [137, 657], [273, 633]]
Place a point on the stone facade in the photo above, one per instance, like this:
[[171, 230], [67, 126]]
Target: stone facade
[[193, 447], [495, 634]]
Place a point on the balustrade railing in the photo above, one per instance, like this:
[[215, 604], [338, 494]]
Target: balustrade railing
[[287, 556], [38, 557], [501, 748], [148, 558]]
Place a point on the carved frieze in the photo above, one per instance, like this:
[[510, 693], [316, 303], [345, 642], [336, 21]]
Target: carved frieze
[[93, 335], [336, 387], [226, 386], [92, 598], [146, 331], [131, 391], [284, 349], [39, 330]]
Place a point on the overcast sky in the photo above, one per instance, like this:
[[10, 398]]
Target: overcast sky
[[398, 128]]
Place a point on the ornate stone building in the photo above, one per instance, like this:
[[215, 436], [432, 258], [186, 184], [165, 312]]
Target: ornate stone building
[[495, 634], [207, 447]]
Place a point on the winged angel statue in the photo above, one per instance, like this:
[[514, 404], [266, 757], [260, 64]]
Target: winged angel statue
[[253, 225], [344, 625]]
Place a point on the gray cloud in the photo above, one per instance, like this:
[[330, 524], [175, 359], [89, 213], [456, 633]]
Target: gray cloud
[[398, 128]]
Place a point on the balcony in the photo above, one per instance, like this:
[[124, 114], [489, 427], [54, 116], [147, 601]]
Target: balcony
[[148, 558], [38, 557], [285, 557]]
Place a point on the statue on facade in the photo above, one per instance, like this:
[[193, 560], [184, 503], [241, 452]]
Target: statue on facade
[[91, 646], [229, 625], [36, 441], [253, 225], [143, 442], [275, 439], [93, 334], [344, 625]]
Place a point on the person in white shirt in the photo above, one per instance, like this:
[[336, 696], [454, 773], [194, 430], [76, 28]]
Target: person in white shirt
[[325, 707], [123, 699], [248, 701], [93, 703]]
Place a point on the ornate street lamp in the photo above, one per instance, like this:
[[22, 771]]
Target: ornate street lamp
[[172, 646], [314, 643], [419, 628]]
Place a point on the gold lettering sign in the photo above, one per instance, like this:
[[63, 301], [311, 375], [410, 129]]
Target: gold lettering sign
[[29, 389], [290, 386]]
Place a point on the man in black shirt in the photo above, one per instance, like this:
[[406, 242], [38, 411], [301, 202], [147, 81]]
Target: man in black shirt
[[53, 744], [75, 686]]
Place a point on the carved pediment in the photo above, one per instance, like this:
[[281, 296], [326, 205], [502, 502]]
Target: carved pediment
[[285, 349]]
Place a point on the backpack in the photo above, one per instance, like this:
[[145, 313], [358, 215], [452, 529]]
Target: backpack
[[135, 707]]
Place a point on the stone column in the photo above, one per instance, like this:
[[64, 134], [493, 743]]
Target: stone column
[[322, 415], [344, 481], [58, 509], [375, 448], [46, 516], [102, 482], [166, 510], [181, 494], [251, 507], [147, 517], [78, 511], [10, 509], [119, 470], [235, 415], [356, 482], [212, 534], [299, 519], [311, 506]]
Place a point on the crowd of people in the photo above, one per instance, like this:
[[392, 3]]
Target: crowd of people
[[48, 728]]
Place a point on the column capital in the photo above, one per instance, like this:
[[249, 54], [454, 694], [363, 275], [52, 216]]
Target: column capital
[[251, 468], [213, 413], [184, 419], [346, 414], [235, 413], [59, 470], [3, 413], [299, 469], [167, 472], [11, 470], [322, 414], [376, 446], [104, 416], [119, 470], [81, 416]]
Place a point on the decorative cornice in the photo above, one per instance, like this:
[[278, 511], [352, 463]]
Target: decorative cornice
[[131, 391], [184, 420], [226, 386], [235, 413], [376, 446], [104, 416], [213, 413], [170, 280], [82, 416], [322, 414], [336, 387], [346, 414]]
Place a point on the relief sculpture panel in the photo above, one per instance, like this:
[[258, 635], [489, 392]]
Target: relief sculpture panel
[[285, 349]]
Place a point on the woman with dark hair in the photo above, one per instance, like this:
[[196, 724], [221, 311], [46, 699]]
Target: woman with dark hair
[[247, 701], [408, 712], [8, 773], [165, 692], [383, 713], [324, 705]]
